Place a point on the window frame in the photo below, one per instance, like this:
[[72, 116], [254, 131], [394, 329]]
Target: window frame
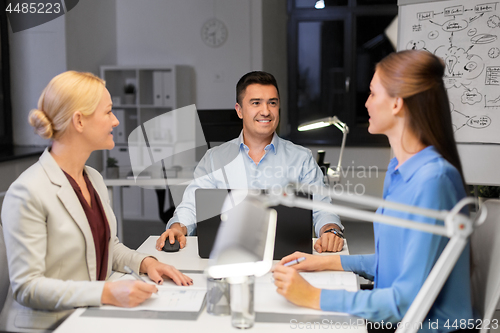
[[358, 133]]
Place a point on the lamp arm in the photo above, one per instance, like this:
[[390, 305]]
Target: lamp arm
[[358, 214], [365, 200], [458, 228], [344, 136]]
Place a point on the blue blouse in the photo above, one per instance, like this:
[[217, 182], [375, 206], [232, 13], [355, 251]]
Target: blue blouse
[[404, 257]]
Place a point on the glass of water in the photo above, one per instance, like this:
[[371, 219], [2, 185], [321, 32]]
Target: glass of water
[[242, 301], [218, 297]]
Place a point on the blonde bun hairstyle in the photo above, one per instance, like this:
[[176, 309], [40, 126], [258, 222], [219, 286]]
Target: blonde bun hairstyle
[[65, 94]]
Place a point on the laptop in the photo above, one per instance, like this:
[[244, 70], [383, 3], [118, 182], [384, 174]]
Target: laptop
[[293, 230]]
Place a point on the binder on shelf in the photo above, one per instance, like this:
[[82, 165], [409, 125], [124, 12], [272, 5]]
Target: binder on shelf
[[158, 88], [163, 88], [168, 89]]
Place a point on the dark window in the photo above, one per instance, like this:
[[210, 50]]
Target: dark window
[[332, 55], [5, 107]]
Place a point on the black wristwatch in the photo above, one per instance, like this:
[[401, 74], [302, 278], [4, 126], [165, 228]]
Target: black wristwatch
[[336, 232]]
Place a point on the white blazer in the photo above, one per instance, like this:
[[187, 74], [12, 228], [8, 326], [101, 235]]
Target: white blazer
[[50, 248]]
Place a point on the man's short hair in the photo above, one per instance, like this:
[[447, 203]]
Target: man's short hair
[[256, 77]]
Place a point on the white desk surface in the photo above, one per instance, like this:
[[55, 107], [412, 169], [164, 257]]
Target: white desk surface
[[146, 181], [187, 260]]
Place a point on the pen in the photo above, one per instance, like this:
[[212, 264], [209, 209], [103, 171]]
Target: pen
[[291, 263], [135, 275], [294, 262]]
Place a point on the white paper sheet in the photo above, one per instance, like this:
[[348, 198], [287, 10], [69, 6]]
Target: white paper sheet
[[267, 300], [171, 297], [199, 281]]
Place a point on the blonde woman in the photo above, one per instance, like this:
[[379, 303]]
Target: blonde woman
[[60, 230]]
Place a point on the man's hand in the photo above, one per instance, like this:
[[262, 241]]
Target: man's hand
[[176, 230], [156, 270], [294, 288], [329, 242]]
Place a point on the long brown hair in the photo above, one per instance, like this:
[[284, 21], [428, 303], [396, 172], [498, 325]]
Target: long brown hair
[[417, 77]]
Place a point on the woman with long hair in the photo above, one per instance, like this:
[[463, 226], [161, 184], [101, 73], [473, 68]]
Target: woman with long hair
[[408, 103]]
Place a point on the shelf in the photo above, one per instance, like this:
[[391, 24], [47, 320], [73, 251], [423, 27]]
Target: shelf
[[159, 90]]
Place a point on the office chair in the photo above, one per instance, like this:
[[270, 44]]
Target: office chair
[[485, 273], [4, 272], [165, 215]]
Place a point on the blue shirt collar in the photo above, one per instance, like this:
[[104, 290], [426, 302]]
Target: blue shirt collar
[[273, 145], [414, 163]]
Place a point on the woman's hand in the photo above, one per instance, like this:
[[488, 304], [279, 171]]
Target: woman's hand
[[156, 270], [314, 262], [127, 294], [171, 234], [294, 288]]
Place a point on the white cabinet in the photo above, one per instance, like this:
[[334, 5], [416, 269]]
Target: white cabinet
[[158, 90]]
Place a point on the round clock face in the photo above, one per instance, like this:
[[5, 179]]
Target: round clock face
[[494, 52], [214, 32]]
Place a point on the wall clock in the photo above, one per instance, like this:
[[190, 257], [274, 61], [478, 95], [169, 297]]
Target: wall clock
[[214, 32]]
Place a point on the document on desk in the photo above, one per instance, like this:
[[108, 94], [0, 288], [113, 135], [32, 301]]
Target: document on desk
[[267, 300], [171, 297]]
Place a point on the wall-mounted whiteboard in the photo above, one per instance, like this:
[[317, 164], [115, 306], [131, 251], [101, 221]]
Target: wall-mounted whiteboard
[[466, 35]]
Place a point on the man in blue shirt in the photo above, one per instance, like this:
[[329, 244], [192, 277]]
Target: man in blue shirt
[[257, 159]]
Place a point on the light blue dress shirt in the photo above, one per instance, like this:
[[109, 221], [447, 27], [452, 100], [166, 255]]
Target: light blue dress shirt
[[230, 166], [404, 257]]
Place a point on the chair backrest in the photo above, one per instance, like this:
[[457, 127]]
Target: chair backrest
[[4, 272], [485, 245]]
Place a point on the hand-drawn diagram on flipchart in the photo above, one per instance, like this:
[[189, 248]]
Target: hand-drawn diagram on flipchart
[[466, 35]]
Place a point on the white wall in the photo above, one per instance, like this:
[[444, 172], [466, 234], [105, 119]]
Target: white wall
[[169, 32], [91, 35], [89, 46], [130, 32], [36, 56]]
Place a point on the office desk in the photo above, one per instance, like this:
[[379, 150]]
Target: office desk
[[187, 260]]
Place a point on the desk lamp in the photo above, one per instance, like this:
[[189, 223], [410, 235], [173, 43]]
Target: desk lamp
[[458, 227], [244, 245], [324, 122], [320, 4]]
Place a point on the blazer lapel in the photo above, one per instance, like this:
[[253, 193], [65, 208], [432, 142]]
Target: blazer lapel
[[68, 198], [101, 190]]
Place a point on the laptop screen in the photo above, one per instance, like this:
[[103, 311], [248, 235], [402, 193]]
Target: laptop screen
[[294, 229]]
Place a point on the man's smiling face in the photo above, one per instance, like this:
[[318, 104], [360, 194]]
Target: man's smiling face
[[259, 110]]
